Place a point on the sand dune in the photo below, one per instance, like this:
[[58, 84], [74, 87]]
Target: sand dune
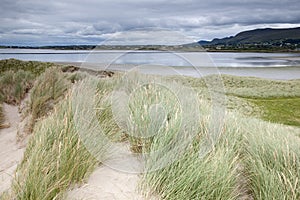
[[11, 152]]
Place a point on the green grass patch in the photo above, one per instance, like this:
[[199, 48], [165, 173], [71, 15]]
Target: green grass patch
[[279, 110]]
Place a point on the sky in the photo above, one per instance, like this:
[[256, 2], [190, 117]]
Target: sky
[[66, 22]]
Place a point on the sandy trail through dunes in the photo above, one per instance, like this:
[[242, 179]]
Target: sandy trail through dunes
[[11, 153], [110, 182]]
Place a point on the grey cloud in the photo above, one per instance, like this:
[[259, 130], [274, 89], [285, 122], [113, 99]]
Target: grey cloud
[[77, 21]]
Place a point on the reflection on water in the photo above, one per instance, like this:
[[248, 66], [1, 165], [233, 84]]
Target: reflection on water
[[267, 65]]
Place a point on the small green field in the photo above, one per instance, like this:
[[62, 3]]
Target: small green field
[[280, 110]]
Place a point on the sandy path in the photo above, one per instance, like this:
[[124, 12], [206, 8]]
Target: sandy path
[[11, 152], [107, 183]]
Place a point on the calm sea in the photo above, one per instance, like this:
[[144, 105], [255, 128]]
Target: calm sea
[[265, 65]]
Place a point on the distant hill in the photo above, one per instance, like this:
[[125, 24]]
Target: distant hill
[[267, 36]]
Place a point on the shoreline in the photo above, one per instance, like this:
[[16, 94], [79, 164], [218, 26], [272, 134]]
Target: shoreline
[[273, 73], [199, 49]]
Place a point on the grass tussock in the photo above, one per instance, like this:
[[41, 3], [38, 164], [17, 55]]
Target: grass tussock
[[153, 109], [261, 158], [49, 88], [156, 113], [194, 177], [55, 158], [14, 86], [108, 124], [272, 160]]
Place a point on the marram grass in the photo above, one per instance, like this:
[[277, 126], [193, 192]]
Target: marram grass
[[272, 160], [49, 88], [55, 158], [14, 86], [236, 168], [265, 156], [268, 154]]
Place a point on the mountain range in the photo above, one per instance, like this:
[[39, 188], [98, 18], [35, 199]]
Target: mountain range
[[267, 36]]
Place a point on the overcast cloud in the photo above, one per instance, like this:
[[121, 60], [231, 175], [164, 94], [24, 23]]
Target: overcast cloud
[[53, 22]]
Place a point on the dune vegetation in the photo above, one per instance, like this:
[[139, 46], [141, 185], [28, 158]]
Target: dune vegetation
[[14, 86], [15, 65], [49, 88], [54, 159], [256, 153], [253, 159], [16, 79], [271, 100]]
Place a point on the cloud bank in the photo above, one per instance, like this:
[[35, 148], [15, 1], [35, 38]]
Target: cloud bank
[[56, 22]]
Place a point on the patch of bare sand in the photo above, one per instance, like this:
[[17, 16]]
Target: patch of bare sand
[[108, 184], [117, 179], [11, 152]]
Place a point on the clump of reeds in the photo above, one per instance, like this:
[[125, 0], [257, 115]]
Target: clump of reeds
[[14, 86]]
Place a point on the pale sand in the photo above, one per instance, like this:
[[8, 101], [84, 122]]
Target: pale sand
[[116, 179], [108, 184], [11, 153]]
